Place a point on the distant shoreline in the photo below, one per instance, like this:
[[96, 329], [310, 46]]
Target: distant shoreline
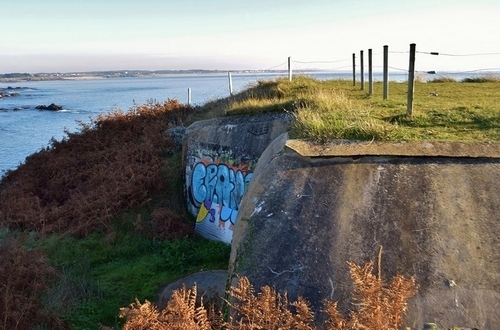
[[23, 77]]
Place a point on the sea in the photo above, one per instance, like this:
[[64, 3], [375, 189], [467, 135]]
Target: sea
[[25, 130]]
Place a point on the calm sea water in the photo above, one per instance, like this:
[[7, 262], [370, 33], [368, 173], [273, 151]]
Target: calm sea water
[[28, 130]]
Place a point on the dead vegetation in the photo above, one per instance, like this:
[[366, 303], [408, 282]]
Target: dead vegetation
[[378, 306], [24, 276], [78, 185]]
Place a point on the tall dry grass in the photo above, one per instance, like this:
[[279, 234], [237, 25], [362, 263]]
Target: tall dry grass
[[334, 109]]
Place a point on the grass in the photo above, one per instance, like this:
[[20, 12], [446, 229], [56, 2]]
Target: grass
[[443, 110], [100, 274]]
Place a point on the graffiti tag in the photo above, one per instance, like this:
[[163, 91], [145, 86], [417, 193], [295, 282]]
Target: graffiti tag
[[219, 184]]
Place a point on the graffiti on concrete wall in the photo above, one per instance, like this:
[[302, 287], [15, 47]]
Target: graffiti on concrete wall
[[216, 221], [216, 184], [219, 183]]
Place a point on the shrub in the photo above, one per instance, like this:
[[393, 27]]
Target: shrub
[[484, 79], [443, 80]]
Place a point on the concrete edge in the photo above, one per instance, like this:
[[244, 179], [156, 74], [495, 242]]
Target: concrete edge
[[410, 148]]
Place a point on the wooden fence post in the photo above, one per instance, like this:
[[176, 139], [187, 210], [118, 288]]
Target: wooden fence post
[[230, 83], [362, 69], [290, 68], [370, 72], [386, 72], [353, 69], [411, 81]]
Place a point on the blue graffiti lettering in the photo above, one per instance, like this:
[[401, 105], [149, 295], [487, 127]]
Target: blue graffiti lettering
[[219, 184]]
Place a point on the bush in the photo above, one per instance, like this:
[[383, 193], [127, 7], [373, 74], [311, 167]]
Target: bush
[[484, 79]]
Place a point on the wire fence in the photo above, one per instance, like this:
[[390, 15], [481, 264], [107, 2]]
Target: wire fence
[[353, 66]]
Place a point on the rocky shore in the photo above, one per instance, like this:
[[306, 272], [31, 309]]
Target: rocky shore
[[10, 91], [52, 107]]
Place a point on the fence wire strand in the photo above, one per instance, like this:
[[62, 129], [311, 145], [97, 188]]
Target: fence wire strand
[[457, 55]]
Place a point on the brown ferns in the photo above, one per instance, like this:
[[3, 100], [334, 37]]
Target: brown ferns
[[180, 313], [379, 307], [79, 184], [23, 277]]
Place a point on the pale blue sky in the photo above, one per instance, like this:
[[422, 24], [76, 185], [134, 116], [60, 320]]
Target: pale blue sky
[[77, 35]]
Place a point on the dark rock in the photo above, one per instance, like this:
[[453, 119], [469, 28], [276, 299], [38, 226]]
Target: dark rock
[[52, 107], [8, 94], [210, 284]]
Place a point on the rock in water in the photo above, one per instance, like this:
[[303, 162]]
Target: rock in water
[[52, 106]]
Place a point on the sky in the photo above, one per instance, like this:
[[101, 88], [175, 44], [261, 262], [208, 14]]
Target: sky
[[97, 35]]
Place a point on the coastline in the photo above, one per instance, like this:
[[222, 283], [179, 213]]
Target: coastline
[[23, 77]]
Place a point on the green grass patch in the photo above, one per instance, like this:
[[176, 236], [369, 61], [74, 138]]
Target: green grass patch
[[100, 274]]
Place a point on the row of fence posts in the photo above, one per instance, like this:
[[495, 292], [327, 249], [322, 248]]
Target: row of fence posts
[[385, 79], [385, 83]]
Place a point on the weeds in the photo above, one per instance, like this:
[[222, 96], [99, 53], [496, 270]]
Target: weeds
[[443, 80], [483, 79]]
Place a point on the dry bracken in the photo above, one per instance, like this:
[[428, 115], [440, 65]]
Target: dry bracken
[[378, 307]]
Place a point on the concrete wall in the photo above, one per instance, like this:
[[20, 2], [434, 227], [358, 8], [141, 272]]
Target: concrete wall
[[220, 156], [433, 207]]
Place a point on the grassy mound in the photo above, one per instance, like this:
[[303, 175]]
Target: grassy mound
[[334, 109]]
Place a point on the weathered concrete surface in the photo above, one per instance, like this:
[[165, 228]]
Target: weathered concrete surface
[[406, 148], [220, 156], [437, 218]]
